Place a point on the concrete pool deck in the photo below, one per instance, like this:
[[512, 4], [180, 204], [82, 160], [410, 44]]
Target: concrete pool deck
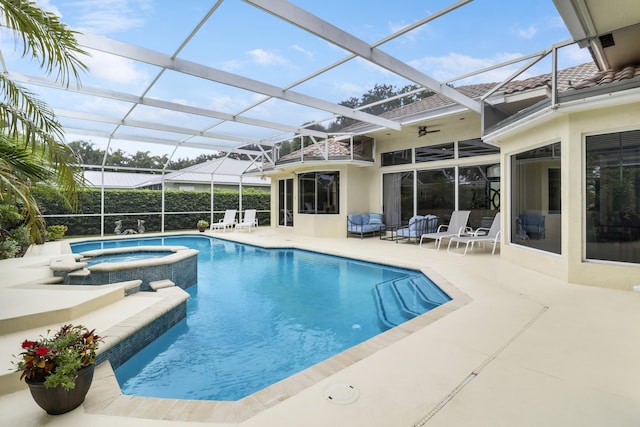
[[524, 349]]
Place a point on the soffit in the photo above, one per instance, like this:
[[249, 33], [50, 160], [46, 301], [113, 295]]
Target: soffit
[[611, 29]]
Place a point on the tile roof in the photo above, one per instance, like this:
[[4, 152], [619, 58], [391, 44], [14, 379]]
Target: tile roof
[[608, 76], [566, 81]]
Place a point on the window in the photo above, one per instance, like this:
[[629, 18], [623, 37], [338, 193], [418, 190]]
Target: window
[[319, 193], [475, 147], [536, 211], [432, 153], [436, 192], [612, 197], [285, 202], [479, 192], [400, 157], [397, 196]]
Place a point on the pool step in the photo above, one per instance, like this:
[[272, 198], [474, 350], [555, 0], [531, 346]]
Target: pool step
[[402, 299], [411, 297], [161, 284], [429, 290], [390, 310]]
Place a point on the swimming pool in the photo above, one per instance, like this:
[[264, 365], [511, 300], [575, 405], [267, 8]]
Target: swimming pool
[[260, 315]]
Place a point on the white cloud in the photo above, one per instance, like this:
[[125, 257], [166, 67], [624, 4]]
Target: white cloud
[[115, 69], [103, 106], [262, 57], [111, 16], [443, 68], [576, 55], [46, 5], [526, 33]]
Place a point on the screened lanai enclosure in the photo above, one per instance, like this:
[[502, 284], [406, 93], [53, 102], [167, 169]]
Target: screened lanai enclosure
[[266, 81], [176, 92]]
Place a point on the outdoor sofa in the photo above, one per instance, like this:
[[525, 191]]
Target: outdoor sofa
[[367, 224]]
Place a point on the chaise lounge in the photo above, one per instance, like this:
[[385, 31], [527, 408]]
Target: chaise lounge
[[457, 226], [481, 235], [249, 221], [225, 223]]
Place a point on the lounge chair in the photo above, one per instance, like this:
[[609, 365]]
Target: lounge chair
[[249, 221], [227, 222], [457, 227], [481, 235]]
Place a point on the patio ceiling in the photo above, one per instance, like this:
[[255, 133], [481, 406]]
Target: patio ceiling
[[149, 114]]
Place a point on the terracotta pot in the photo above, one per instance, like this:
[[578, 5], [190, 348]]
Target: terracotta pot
[[57, 400]]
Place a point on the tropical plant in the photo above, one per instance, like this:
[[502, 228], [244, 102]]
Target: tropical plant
[[56, 360], [31, 147], [202, 224], [56, 232]]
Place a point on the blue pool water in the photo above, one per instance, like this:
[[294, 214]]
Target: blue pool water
[[260, 315]]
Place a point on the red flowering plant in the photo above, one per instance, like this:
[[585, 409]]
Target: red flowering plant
[[56, 360]]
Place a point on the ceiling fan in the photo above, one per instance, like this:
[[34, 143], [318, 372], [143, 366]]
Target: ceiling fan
[[422, 131]]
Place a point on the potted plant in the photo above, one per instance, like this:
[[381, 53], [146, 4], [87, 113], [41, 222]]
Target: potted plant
[[202, 225], [59, 369]]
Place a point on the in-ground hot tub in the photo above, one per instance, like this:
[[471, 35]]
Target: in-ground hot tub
[[147, 263]]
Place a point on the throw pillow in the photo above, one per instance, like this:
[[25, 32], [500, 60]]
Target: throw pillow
[[375, 218]]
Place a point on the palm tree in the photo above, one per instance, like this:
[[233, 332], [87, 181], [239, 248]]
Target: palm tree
[[31, 147]]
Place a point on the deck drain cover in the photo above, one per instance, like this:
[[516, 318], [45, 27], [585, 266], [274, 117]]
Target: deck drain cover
[[341, 394]]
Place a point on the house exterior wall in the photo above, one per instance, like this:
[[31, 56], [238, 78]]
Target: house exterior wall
[[548, 133], [358, 186], [570, 129]]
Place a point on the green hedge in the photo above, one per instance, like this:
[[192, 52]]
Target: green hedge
[[177, 203]]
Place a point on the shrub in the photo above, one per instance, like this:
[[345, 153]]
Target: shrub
[[56, 232], [8, 248]]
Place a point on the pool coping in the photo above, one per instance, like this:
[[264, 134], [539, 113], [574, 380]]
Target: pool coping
[[106, 398]]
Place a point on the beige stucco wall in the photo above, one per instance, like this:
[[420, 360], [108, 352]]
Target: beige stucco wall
[[570, 129], [358, 193]]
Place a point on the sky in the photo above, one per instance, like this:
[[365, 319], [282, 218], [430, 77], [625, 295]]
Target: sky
[[242, 39]]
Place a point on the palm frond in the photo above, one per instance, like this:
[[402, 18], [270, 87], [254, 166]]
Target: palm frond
[[44, 38]]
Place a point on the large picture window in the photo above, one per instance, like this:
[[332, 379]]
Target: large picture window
[[319, 193], [479, 192], [436, 192], [612, 197], [535, 206]]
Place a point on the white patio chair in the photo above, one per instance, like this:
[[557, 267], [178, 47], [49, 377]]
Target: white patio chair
[[227, 222], [249, 221], [457, 227], [481, 235]]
